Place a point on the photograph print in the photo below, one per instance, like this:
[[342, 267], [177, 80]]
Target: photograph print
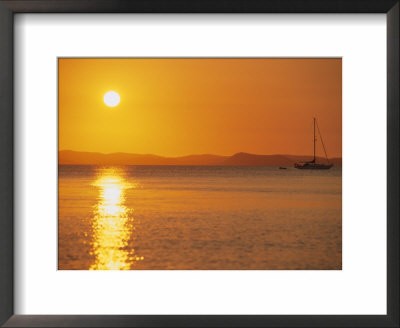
[[199, 164]]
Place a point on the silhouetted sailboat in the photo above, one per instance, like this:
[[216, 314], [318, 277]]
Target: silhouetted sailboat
[[312, 165]]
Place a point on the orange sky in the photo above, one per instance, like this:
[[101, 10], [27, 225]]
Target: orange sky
[[175, 107]]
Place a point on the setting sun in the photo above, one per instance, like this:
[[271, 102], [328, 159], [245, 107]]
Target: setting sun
[[111, 98]]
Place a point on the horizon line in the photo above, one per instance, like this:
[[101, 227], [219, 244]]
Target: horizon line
[[198, 154]]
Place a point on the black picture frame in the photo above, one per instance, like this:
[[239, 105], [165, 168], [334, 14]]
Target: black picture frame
[[10, 7]]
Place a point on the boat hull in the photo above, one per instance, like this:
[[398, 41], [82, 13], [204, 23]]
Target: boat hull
[[310, 166]]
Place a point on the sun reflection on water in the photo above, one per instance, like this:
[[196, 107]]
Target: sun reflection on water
[[113, 224]]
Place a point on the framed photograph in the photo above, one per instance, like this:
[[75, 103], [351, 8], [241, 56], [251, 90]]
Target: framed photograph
[[199, 163]]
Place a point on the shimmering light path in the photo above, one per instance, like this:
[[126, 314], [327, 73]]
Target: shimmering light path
[[112, 225]]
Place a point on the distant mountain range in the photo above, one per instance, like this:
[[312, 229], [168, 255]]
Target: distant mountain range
[[70, 157]]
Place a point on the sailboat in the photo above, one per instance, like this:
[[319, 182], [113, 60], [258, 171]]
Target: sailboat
[[313, 165]]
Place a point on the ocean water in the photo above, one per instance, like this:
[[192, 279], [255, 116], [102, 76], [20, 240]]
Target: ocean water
[[199, 218]]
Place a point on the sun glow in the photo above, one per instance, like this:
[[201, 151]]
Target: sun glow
[[162, 106], [111, 98]]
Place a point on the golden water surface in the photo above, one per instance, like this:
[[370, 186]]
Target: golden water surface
[[201, 218]]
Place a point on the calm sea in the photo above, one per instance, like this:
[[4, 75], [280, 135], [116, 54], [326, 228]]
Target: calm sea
[[201, 218]]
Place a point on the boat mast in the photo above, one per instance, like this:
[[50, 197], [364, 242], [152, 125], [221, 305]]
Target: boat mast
[[314, 142], [322, 141]]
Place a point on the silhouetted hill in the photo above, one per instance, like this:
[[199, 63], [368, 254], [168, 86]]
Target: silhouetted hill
[[239, 159], [245, 159], [88, 158]]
